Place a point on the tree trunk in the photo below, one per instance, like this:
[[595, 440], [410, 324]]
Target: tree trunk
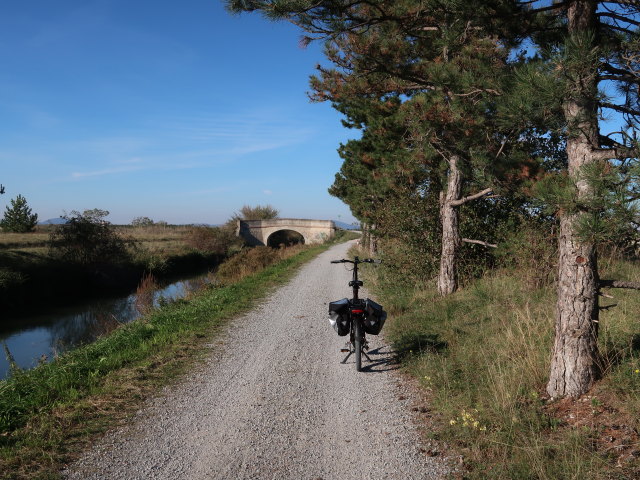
[[373, 241], [575, 352], [365, 237], [448, 276]]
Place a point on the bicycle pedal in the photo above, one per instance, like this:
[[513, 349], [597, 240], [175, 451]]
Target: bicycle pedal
[[344, 350]]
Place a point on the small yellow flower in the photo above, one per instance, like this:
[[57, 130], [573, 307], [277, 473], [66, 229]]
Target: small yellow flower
[[637, 370], [452, 422]]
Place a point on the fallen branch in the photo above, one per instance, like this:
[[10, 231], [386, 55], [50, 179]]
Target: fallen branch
[[480, 242], [619, 284]]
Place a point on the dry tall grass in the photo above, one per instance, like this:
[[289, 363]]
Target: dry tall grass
[[145, 294], [253, 260], [484, 354]]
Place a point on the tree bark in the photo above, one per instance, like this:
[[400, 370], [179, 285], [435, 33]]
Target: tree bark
[[373, 241], [448, 275], [365, 237], [575, 351]]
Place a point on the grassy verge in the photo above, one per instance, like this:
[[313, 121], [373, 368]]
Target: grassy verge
[[49, 414], [482, 355]]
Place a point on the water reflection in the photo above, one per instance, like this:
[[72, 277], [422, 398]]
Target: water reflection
[[53, 333]]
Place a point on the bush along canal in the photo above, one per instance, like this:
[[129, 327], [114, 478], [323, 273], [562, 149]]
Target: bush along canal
[[28, 341]]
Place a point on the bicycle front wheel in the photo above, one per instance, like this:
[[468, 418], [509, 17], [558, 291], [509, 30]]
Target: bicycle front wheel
[[357, 342]]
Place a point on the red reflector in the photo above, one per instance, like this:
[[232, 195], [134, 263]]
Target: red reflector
[[357, 311]]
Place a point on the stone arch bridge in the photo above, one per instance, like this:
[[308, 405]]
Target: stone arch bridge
[[257, 232]]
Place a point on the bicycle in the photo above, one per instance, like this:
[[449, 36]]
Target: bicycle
[[356, 316]]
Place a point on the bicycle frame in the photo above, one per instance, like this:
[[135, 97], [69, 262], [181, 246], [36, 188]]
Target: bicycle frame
[[357, 339]]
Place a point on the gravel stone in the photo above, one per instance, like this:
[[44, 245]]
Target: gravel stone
[[274, 402]]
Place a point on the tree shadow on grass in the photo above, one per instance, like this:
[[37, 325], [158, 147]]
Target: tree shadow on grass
[[390, 357], [412, 343]]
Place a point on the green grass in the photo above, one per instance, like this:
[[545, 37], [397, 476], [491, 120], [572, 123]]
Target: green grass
[[483, 354], [50, 413]]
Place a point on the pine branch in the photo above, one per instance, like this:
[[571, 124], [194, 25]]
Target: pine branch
[[619, 17], [462, 201], [555, 6], [618, 28], [619, 284], [478, 90], [620, 108], [620, 78], [480, 242], [630, 3], [607, 141], [617, 73], [613, 153]]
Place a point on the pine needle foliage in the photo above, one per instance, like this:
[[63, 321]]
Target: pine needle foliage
[[18, 217]]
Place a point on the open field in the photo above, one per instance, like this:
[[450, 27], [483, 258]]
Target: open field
[[168, 239]]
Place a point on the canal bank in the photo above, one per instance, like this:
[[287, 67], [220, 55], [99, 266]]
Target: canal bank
[[28, 341], [48, 414], [32, 283]]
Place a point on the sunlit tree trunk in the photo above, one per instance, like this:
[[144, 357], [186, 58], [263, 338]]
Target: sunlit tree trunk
[[575, 351], [373, 240], [364, 239], [448, 275]]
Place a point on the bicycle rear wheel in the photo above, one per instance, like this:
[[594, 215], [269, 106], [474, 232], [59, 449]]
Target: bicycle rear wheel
[[357, 342]]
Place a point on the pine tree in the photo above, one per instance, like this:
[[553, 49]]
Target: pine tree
[[450, 62], [584, 45], [443, 60], [18, 217]]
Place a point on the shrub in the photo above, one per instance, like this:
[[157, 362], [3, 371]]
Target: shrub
[[216, 240], [259, 212], [141, 222], [253, 260], [88, 239], [532, 251]]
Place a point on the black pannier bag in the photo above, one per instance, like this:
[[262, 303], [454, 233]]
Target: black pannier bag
[[339, 316], [374, 317]]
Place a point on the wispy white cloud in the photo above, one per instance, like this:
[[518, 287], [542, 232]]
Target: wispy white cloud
[[243, 133], [106, 171], [133, 160], [267, 192]]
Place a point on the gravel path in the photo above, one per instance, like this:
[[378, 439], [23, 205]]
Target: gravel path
[[274, 402]]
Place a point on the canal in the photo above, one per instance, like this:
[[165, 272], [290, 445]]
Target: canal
[[27, 341]]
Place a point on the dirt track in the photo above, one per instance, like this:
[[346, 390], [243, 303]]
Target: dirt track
[[274, 402]]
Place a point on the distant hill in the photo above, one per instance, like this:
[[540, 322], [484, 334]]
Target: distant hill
[[53, 221], [346, 226]]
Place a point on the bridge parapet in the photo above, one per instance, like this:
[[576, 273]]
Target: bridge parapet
[[257, 232]]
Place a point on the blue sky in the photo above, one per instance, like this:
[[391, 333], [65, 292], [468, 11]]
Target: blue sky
[[175, 111]]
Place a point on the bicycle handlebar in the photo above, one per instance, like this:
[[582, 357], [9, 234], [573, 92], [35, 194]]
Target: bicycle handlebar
[[357, 261]]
